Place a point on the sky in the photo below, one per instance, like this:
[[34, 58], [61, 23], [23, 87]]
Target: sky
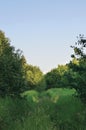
[[43, 29]]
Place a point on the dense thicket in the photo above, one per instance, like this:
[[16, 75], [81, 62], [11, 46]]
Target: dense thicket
[[12, 74], [78, 68]]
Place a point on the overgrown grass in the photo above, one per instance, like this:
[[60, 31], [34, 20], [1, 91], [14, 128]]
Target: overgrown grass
[[68, 112], [54, 109]]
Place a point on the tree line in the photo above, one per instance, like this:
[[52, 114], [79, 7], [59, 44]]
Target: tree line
[[17, 76]]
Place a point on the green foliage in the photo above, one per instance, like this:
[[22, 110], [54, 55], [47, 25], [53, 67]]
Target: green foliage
[[55, 78], [35, 78], [19, 114], [31, 95], [12, 74], [16, 75], [78, 68], [44, 113], [12, 111], [67, 113], [53, 109]]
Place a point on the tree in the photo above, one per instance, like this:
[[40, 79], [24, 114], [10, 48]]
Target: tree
[[35, 78], [55, 78], [79, 69], [12, 74], [52, 79]]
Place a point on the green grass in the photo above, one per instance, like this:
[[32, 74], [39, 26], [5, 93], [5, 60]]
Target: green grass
[[31, 95], [54, 109], [55, 94]]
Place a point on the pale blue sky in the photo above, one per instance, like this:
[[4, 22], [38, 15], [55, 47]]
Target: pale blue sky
[[43, 29]]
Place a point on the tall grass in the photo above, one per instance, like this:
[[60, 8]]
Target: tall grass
[[18, 114], [54, 109]]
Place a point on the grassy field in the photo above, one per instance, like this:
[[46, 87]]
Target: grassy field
[[54, 109]]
